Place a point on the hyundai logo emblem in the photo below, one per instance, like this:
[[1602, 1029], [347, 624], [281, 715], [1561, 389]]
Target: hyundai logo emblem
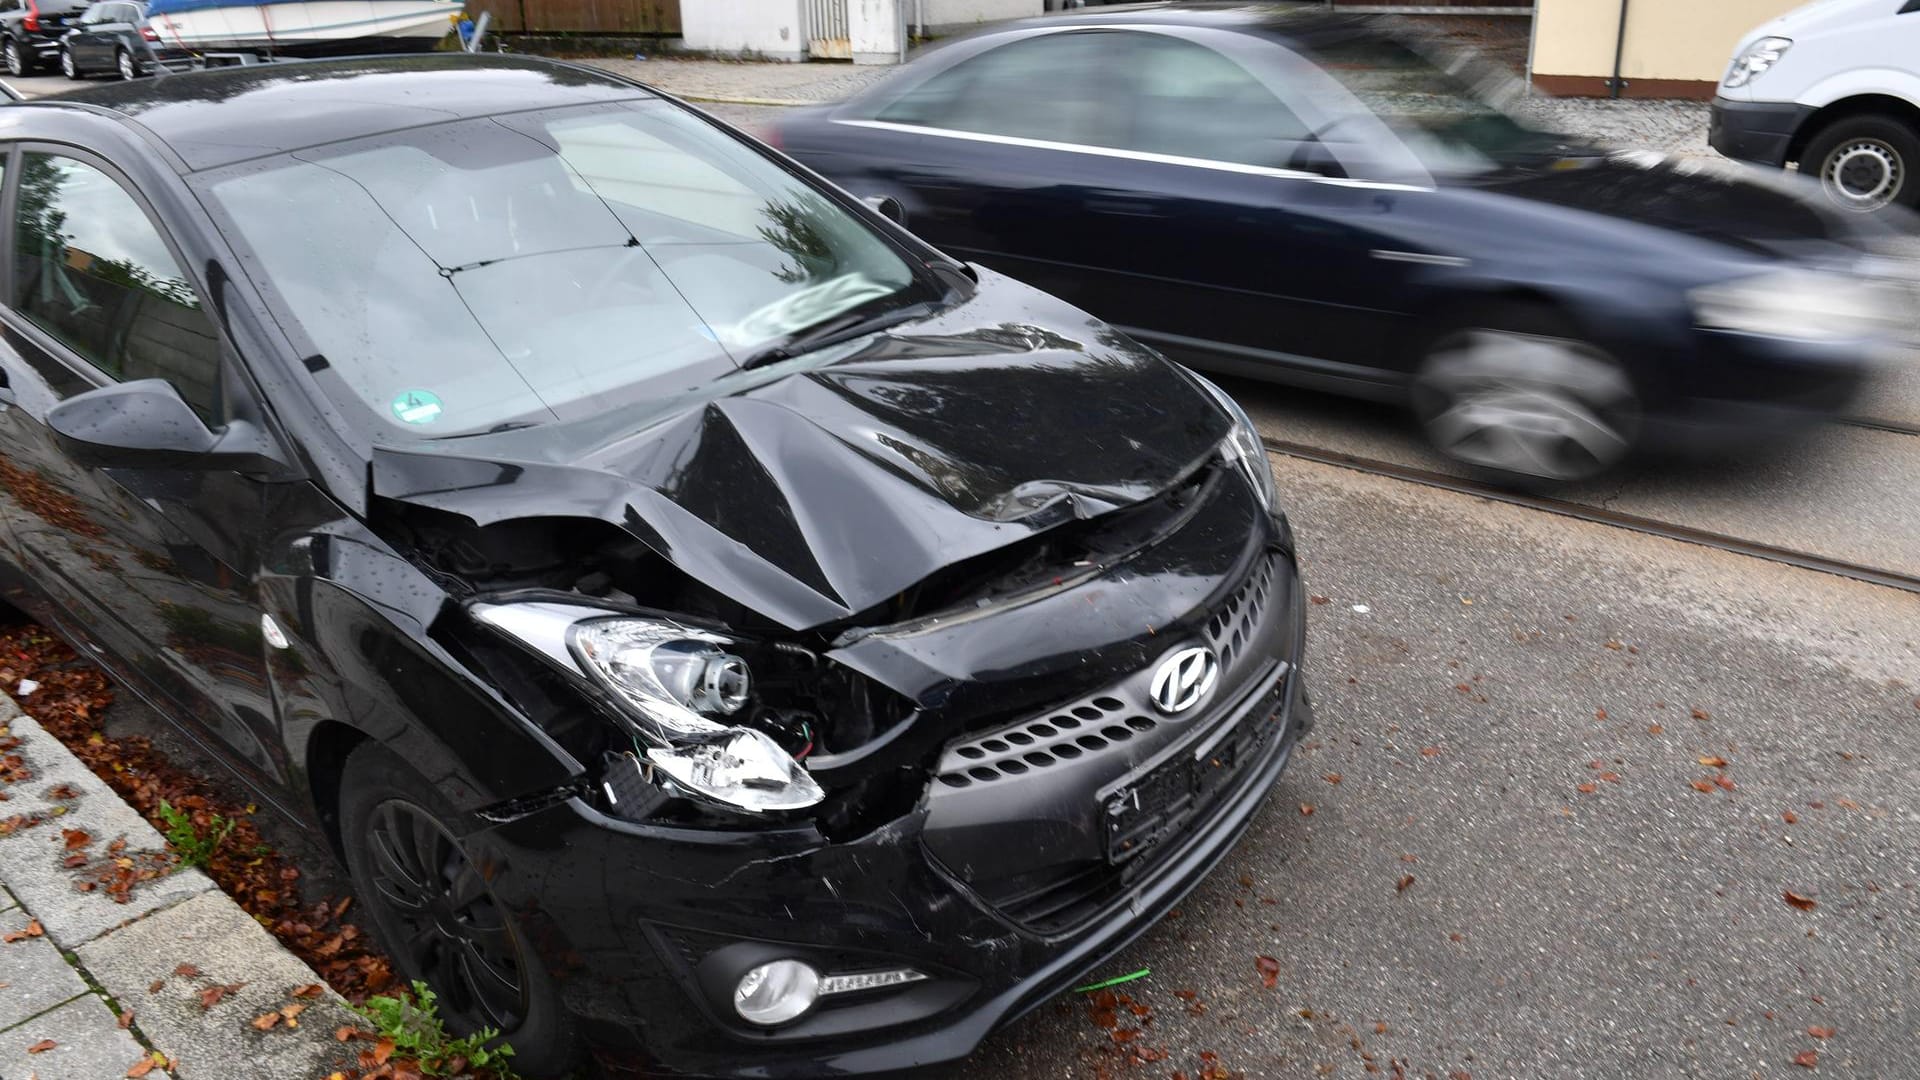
[[1183, 679]]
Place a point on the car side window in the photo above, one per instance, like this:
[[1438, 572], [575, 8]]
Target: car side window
[[1190, 101], [91, 270], [1055, 87]]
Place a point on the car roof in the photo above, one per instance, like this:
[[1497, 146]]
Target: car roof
[[223, 115], [1286, 20]]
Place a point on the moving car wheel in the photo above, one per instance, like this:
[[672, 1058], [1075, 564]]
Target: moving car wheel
[[1526, 402], [1865, 163], [123, 60], [437, 915], [16, 58], [67, 66]]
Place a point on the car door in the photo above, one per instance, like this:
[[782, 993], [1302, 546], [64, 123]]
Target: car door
[[148, 566], [990, 159], [83, 41], [103, 35]]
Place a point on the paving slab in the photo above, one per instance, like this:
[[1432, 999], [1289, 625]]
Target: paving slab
[[34, 977], [32, 856], [227, 947], [88, 1045]]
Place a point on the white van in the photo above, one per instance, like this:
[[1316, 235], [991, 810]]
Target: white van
[[1835, 86]]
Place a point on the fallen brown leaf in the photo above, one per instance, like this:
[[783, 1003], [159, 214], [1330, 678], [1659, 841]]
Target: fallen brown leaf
[[1804, 903], [1269, 970], [211, 995], [1318, 599], [1403, 884], [154, 986], [42, 1046], [1586, 789], [1599, 714], [1789, 817], [1807, 1059], [140, 1068], [265, 1021], [1724, 782], [1306, 809], [76, 838], [1702, 785], [126, 1019], [1821, 1032], [186, 971], [311, 990], [1654, 729], [1333, 778], [1701, 714], [382, 1050], [1713, 761], [1429, 751]]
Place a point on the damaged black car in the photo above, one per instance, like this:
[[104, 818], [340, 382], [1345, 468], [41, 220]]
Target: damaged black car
[[719, 633]]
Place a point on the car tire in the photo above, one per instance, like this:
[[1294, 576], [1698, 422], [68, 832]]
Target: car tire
[[439, 918], [126, 65], [1865, 163], [1514, 393], [17, 61], [67, 67]]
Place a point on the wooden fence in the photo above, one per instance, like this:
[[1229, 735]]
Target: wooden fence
[[581, 16]]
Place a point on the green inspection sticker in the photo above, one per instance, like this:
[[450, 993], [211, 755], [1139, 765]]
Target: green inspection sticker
[[417, 406]]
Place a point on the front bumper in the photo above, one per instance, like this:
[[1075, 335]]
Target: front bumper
[[1757, 131], [1749, 390], [647, 927]]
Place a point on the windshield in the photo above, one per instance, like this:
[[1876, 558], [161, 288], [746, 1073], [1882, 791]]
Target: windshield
[[468, 276], [1452, 117]]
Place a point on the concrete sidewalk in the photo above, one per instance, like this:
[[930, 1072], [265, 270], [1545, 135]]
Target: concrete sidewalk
[[112, 957]]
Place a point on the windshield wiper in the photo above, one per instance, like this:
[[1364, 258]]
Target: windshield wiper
[[833, 331]]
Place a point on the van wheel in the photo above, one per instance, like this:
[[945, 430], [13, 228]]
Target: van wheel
[[1865, 163]]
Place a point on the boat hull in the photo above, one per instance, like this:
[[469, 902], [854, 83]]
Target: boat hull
[[309, 27]]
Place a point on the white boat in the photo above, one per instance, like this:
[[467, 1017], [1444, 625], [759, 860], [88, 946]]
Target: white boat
[[302, 27]]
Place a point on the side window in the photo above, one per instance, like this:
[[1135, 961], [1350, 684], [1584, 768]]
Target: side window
[[1193, 102], [91, 270], [1055, 87]]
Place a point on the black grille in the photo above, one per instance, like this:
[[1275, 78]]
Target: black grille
[[1172, 799], [1086, 727], [1232, 627]]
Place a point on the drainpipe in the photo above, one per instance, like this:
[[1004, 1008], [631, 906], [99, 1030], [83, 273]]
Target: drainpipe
[[900, 20], [920, 19], [1619, 46]]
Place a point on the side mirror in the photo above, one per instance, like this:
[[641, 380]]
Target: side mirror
[[145, 423], [888, 207]]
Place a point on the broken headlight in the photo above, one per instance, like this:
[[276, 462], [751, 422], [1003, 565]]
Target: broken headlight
[[1243, 448], [676, 685]]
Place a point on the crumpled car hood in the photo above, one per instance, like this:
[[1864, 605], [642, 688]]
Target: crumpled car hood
[[809, 491]]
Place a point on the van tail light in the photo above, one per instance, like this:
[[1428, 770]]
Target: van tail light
[[32, 21], [149, 33]]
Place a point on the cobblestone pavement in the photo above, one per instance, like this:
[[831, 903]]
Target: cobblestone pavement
[[114, 960]]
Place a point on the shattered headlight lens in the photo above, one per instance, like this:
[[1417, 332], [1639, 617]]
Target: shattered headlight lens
[[671, 676], [678, 685], [1802, 304], [1755, 59], [1243, 448]]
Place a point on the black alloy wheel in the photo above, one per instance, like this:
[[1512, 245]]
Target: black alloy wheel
[[439, 917], [67, 67], [453, 933], [123, 60]]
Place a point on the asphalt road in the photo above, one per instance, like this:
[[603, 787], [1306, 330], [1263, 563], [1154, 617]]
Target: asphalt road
[[1514, 709]]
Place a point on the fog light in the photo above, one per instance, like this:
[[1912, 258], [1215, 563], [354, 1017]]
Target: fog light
[[776, 993], [868, 980]]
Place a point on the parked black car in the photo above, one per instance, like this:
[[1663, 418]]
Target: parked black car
[[1291, 194], [714, 627], [30, 31], [112, 36]]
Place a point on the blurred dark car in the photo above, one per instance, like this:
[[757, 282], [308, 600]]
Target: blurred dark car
[[30, 31], [1320, 198], [113, 36]]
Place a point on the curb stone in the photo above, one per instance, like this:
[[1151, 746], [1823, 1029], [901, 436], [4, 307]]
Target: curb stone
[[97, 957]]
